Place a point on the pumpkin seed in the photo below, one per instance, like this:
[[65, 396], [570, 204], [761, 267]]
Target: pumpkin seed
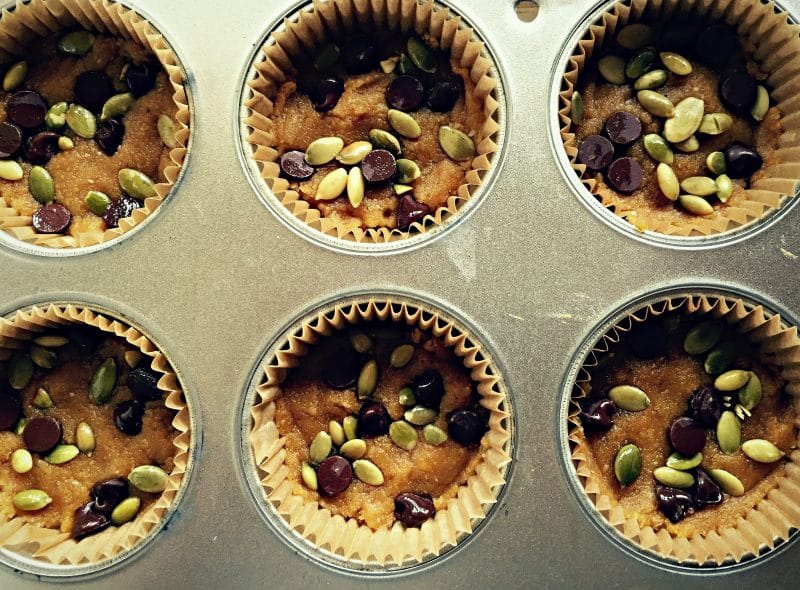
[[10, 170], [434, 435], [20, 427], [56, 116], [30, 500], [355, 186], [407, 171], [729, 483], [655, 103], [681, 463], [118, 105], [641, 63], [65, 143], [360, 342], [384, 140], [716, 162], [612, 68], [715, 123], [76, 43], [85, 439], [133, 358], [401, 189], [685, 121], [406, 397], [309, 476], [456, 144], [657, 148], [689, 145], [336, 432], [627, 464], [320, 448], [43, 357], [702, 186], [635, 35], [149, 478], [405, 66], [15, 76], [20, 370], [125, 511], [350, 426], [420, 55], [729, 432], [732, 380], [367, 472], [761, 105], [166, 131], [97, 202], [404, 124], [628, 397], [354, 448], [750, 394], [367, 379], [353, 153], [696, 205], [326, 58], [51, 340], [403, 435], [42, 399], [41, 185], [103, 382], [576, 108], [761, 450], [136, 184], [719, 359], [673, 477], [388, 65], [676, 63], [651, 80], [81, 121], [420, 415], [401, 356], [323, 150], [21, 461], [702, 338], [668, 182], [62, 454], [724, 187]]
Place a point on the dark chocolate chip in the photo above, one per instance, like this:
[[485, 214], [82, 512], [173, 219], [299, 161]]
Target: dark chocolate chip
[[623, 128], [107, 494], [141, 78], [741, 161], [10, 139], [705, 491], [295, 167], [41, 147], [466, 427], [705, 406], [405, 93], [128, 417], [143, 382], [625, 174], [93, 89], [687, 436], [679, 36], [341, 370], [26, 109], [595, 152], [85, 339], [334, 474], [88, 521], [596, 415], [443, 95], [738, 91], [378, 166], [428, 389], [674, 503], [51, 219], [41, 434], [325, 94], [410, 211], [647, 340], [716, 45], [109, 135], [119, 208], [359, 55], [9, 411], [413, 509], [373, 420]]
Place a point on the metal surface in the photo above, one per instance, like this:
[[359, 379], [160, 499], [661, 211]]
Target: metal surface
[[215, 277]]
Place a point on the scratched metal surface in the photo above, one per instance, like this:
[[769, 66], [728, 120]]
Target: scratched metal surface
[[532, 268]]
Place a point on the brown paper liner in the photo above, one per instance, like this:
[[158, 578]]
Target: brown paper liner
[[26, 21], [775, 516], [345, 537], [311, 30], [776, 44], [51, 545]]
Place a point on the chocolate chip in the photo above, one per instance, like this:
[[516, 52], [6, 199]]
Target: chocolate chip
[[325, 94], [705, 491], [623, 128], [119, 208], [41, 147], [679, 36], [705, 406], [625, 175], [674, 503], [26, 109], [10, 139], [738, 91], [143, 382], [107, 494], [93, 89], [595, 152], [85, 339], [443, 95], [41, 434], [405, 93], [428, 389], [373, 420], [9, 411], [334, 474], [378, 166], [359, 55], [128, 417], [413, 509], [109, 135], [716, 45], [741, 161], [141, 78], [88, 521], [466, 427], [341, 370], [410, 211], [596, 415], [51, 219], [295, 167], [687, 436], [647, 340]]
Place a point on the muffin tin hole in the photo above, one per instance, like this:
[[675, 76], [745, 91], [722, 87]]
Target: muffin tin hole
[[526, 10]]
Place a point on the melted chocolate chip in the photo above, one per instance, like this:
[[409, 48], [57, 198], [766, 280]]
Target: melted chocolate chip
[[9, 411], [143, 382], [341, 370], [410, 211], [625, 174], [378, 166], [295, 167], [373, 420], [41, 434], [595, 152], [413, 509], [687, 436], [88, 521], [359, 55], [41, 147], [674, 503], [705, 491], [128, 417], [738, 91], [428, 389], [26, 109], [716, 45], [596, 415], [705, 406], [109, 135], [334, 474], [85, 339], [107, 494], [93, 89], [51, 219], [405, 93], [119, 208], [141, 78], [443, 95], [623, 128], [679, 36], [647, 340], [741, 161], [325, 94], [466, 427], [10, 139]]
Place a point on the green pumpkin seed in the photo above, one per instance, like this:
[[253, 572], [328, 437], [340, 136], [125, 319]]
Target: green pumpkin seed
[[406, 397], [81, 121], [337, 433], [15, 76], [689, 145], [320, 448], [716, 162], [702, 338], [420, 415], [353, 153], [103, 382], [42, 399], [702, 186], [43, 357], [673, 477], [668, 182], [761, 105], [635, 35], [56, 116], [355, 186], [389, 64], [76, 43], [729, 432], [136, 184], [20, 427], [724, 187], [40, 183], [685, 121], [695, 204], [367, 472], [420, 55], [133, 358], [326, 58], [350, 427], [657, 148], [456, 144], [367, 380], [762, 451], [676, 63], [85, 439], [628, 464], [125, 511], [641, 63], [405, 66], [65, 143], [309, 476], [97, 202], [401, 356], [323, 150], [407, 171], [403, 435], [360, 342], [404, 124], [62, 454], [628, 397], [149, 478], [20, 370], [681, 463], [10, 170], [21, 461], [750, 394], [51, 340], [576, 108], [715, 123], [732, 380], [434, 435], [719, 359], [384, 140], [30, 500], [401, 189], [166, 131], [651, 80], [354, 448], [118, 105], [655, 103], [729, 483], [612, 68]]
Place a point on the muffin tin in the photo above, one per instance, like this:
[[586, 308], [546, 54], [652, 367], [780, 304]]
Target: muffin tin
[[215, 278]]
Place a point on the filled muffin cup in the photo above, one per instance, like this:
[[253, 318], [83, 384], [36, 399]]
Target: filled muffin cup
[[347, 542], [308, 30], [27, 546], [771, 43], [765, 519], [22, 27]]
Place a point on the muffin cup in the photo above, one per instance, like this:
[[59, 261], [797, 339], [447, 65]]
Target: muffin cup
[[775, 517], [343, 540], [26, 22], [50, 547], [311, 27], [776, 45]]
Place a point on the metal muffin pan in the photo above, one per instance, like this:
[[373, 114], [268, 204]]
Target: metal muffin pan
[[216, 277]]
